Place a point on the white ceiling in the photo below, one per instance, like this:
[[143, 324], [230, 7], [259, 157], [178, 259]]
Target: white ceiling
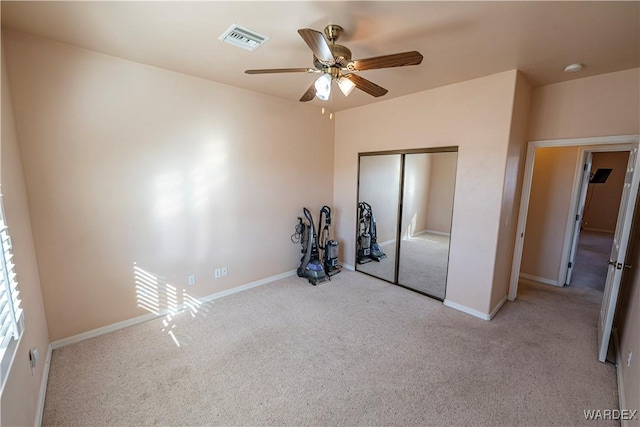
[[459, 40]]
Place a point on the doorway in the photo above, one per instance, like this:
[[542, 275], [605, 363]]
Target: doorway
[[602, 187], [616, 261]]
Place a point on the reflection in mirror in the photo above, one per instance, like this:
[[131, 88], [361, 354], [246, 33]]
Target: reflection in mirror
[[378, 197], [427, 209]]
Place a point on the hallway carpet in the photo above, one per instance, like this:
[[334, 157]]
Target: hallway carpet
[[353, 351], [594, 249]]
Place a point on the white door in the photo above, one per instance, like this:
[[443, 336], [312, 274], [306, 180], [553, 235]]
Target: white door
[[618, 253], [586, 173]]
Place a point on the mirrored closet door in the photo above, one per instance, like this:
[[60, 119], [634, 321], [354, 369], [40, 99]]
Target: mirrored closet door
[[405, 209], [378, 198]]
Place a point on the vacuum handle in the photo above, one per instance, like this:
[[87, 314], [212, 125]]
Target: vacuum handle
[[307, 214]]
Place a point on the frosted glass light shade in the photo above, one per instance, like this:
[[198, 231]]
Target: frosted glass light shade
[[323, 87], [346, 86]]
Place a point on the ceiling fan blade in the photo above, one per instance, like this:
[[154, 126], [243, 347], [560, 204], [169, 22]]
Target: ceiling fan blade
[[366, 85], [309, 94], [386, 61], [282, 70], [318, 44]]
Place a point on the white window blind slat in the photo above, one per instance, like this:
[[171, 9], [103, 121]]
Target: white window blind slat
[[6, 327], [10, 310], [6, 338], [4, 316]]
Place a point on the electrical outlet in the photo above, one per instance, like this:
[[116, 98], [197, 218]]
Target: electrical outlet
[[629, 359], [192, 280], [224, 271], [34, 359], [218, 273]]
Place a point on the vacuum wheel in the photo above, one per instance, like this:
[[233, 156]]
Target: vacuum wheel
[[300, 272]]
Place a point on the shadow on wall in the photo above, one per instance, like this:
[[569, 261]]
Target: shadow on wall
[[157, 296]]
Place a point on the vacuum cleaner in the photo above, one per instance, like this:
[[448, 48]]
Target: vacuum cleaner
[[310, 264], [328, 247], [366, 241]]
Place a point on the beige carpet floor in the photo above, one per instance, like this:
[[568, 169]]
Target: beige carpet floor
[[353, 351], [592, 254], [423, 263]]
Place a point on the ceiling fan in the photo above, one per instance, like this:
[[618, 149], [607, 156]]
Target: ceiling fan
[[334, 62]]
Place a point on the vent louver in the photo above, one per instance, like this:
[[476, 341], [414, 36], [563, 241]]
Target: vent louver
[[243, 37]]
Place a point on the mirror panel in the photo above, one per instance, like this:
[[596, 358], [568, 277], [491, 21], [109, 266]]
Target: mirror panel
[[379, 188], [427, 210]]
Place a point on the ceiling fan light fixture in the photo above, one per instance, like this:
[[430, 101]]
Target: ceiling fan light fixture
[[323, 87], [331, 60], [346, 85]]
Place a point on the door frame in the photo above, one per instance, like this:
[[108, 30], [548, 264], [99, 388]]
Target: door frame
[[628, 140], [403, 154], [576, 225], [575, 195]]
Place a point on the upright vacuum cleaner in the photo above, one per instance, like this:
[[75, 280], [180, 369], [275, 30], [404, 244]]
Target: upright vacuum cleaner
[[367, 239], [328, 248], [310, 264]]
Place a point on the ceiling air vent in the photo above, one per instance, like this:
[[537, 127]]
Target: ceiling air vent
[[243, 37]]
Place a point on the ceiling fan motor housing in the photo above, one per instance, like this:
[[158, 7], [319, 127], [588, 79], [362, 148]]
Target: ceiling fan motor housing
[[341, 54], [333, 31]]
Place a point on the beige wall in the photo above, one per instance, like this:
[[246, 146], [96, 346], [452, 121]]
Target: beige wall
[[511, 190], [127, 163], [418, 182], [603, 200], [429, 185], [473, 115], [602, 105], [380, 186], [442, 192], [553, 175], [20, 395]]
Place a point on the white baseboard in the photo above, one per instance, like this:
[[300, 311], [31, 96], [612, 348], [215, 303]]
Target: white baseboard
[[498, 307], [246, 287], [348, 266], [621, 400], [43, 387], [465, 309], [387, 242], [105, 329], [439, 233], [599, 230], [150, 316], [539, 279]]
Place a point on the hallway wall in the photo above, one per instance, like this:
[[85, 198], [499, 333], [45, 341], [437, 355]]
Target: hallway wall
[[553, 175], [603, 200]]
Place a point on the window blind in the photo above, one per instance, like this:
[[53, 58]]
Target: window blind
[[10, 309]]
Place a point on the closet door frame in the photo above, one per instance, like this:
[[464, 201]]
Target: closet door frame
[[403, 154]]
